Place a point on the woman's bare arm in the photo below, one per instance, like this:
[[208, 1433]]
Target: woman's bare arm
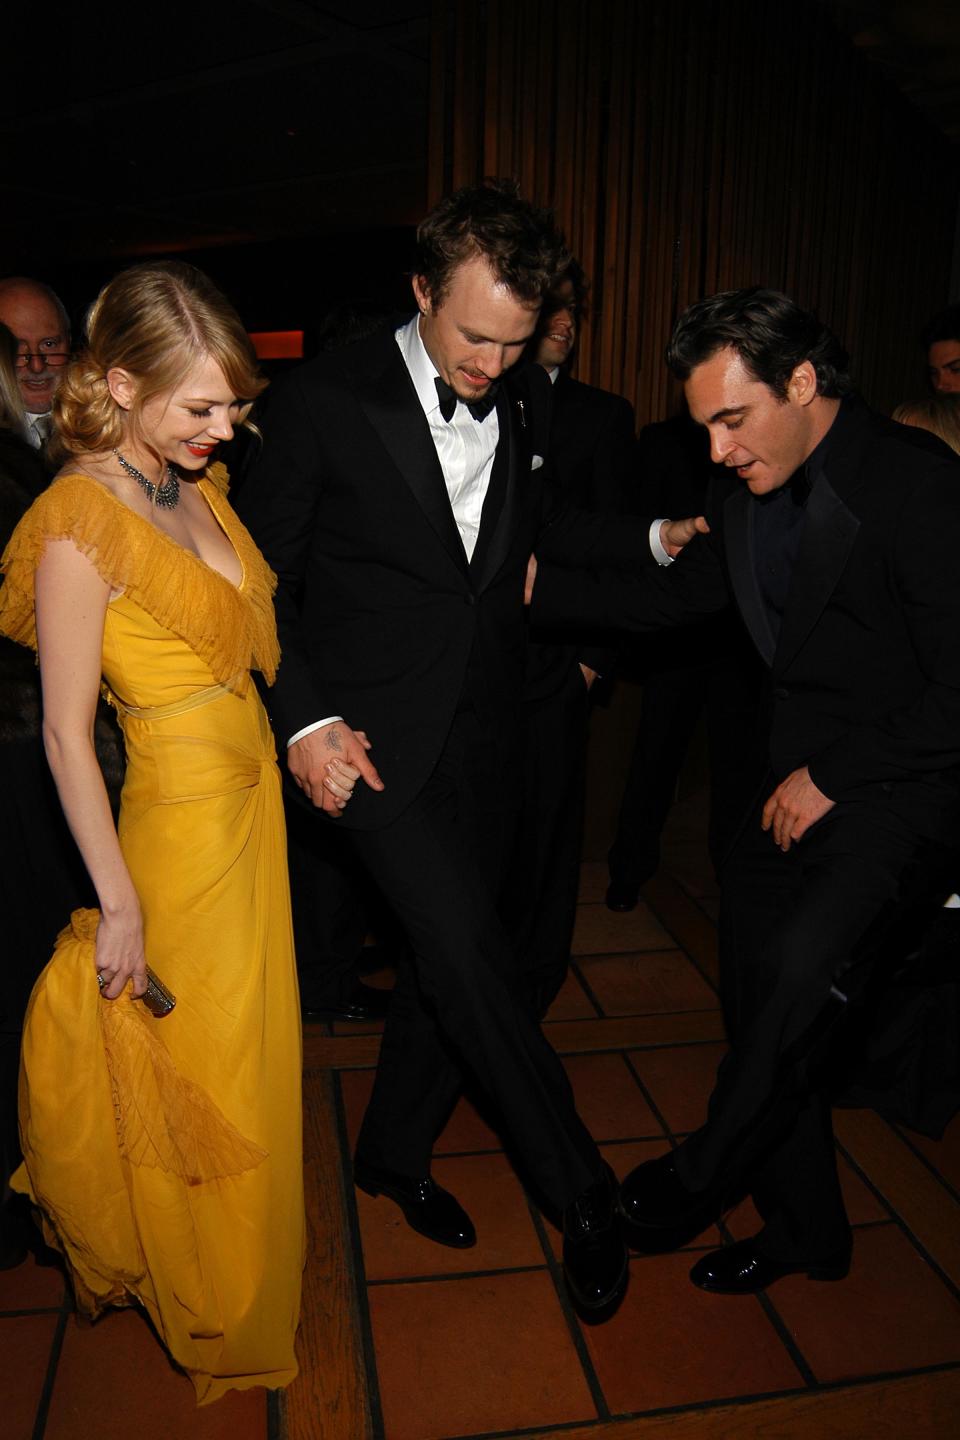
[[71, 603]]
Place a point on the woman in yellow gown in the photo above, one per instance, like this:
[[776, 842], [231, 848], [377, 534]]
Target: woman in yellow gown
[[165, 1154]]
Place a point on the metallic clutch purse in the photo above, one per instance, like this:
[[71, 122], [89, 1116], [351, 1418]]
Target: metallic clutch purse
[[157, 998]]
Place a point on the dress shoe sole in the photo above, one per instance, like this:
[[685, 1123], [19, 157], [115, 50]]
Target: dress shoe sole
[[411, 1216]]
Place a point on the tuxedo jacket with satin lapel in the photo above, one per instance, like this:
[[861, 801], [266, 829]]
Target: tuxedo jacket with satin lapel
[[381, 618], [591, 454], [865, 673]]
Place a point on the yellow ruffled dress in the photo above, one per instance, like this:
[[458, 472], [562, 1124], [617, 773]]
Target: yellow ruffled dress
[[166, 1154]]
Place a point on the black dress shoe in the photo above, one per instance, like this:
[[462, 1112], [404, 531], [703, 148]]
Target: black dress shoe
[[622, 897], [742, 1269], [358, 1002], [594, 1256], [654, 1197], [429, 1209]]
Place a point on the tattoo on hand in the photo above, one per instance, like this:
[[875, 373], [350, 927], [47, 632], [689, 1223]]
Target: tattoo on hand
[[333, 741]]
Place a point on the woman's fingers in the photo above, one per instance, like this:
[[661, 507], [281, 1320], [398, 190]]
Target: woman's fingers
[[340, 778]]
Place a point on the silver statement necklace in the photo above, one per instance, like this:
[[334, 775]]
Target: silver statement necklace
[[166, 495]]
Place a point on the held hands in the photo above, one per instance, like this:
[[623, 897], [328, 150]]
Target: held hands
[[327, 763], [675, 534], [119, 953], [794, 806]]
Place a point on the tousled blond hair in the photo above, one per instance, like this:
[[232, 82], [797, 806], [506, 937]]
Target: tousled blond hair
[[12, 413], [940, 414], [156, 321]]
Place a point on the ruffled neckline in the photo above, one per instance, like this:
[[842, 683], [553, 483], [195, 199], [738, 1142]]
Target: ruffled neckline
[[228, 626]]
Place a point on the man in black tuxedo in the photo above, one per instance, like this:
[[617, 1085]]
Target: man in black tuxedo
[[590, 454], [837, 534], [398, 499]]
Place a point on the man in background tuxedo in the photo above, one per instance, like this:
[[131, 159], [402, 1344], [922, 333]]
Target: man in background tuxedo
[[35, 316], [711, 667], [590, 453], [836, 533], [398, 499]]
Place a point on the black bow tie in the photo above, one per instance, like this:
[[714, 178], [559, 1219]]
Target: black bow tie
[[479, 409]]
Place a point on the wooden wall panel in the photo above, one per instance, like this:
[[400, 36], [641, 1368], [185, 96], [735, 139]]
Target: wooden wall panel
[[690, 146]]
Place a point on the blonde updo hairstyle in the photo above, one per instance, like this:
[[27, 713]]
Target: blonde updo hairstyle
[[156, 321]]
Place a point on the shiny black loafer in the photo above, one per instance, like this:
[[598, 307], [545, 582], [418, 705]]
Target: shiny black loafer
[[427, 1207], [595, 1258], [742, 1269]]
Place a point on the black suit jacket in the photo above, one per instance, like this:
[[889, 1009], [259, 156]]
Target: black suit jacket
[[381, 618], [591, 455], [865, 674]]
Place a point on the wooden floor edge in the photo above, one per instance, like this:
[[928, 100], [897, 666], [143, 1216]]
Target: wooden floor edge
[[923, 1407], [330, 1396]]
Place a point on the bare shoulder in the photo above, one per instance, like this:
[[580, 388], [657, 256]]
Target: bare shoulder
[[99, 467]]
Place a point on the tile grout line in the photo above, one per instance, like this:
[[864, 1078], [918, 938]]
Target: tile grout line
[[587, 989], [56, 1346], [555, 1271], [924, 1159], [707, 979], [444, 1276], [359, 1266], [652, 1104], [901, 1224]]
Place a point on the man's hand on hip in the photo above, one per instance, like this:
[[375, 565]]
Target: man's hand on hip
[[794, 806], [327, 763]]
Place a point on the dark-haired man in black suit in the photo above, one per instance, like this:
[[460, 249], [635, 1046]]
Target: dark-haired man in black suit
[[836, 533], [398, 499], [591, 456]]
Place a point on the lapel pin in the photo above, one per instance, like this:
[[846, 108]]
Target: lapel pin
[[523, 417]]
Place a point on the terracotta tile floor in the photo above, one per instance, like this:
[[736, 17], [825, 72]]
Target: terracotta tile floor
[[422, 1343]]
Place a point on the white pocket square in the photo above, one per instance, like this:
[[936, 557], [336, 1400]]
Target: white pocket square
[[536, 462]]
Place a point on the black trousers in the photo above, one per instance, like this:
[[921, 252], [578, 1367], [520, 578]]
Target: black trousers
[[457, 1007], [540, 897], [328, 919], [674, 697], [795, 928]]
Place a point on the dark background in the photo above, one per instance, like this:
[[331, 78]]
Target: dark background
[[290, 146]]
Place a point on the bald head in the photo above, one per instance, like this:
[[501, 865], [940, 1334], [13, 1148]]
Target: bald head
[[36, 318]]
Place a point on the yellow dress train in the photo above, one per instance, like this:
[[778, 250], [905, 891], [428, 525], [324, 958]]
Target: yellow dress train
[[166, 1154]]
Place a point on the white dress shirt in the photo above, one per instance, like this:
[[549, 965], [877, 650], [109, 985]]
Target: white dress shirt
[[465, 447]]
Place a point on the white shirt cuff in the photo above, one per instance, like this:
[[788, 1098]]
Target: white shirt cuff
[[317, 725], [656, 545]]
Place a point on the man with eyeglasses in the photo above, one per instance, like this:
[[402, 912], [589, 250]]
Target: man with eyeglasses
[[36, 317]]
